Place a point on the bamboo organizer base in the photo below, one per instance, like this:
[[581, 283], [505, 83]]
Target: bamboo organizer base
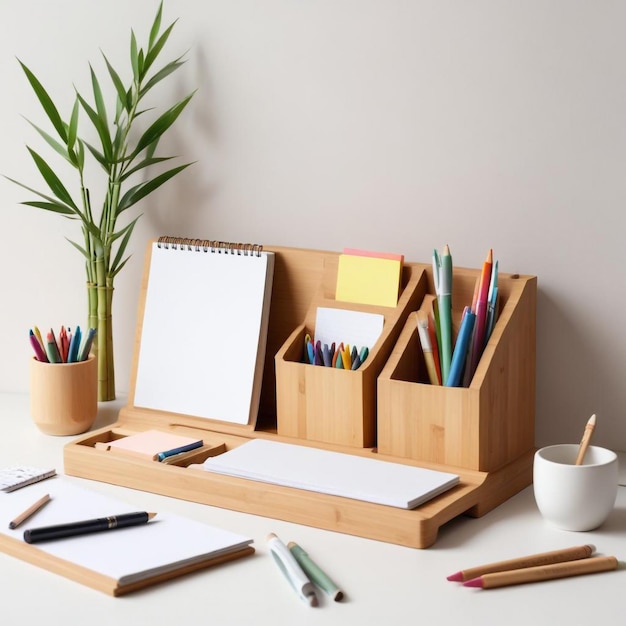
[[303, 280]]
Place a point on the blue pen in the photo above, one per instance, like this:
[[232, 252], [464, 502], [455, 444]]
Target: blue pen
[[161, 456], [460, 349], [72, 355]]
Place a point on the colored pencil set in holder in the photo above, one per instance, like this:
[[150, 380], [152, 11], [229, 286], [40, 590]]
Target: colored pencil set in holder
[[68, 347]]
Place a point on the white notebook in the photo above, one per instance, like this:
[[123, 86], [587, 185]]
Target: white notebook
[[126, 556], [206, 313], [334, 473]]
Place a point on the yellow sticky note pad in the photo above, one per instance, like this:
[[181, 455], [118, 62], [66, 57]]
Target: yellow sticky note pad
[[368, 280]]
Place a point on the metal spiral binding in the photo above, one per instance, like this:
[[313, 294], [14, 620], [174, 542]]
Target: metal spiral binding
[[209, 245]]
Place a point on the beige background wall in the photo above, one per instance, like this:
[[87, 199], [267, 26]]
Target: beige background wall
[[392, 125]]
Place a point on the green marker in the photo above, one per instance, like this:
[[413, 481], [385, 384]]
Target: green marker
[[312, 570]]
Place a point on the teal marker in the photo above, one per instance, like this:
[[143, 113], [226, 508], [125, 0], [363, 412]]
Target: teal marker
[[313, 571]]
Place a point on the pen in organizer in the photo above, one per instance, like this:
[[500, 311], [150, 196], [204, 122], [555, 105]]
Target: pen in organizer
[[492, 301], [481, 312], [427, 348], [461, 348], [291, 570], [442, 276]]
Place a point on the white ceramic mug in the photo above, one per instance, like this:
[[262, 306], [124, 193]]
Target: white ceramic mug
[[575, 497]]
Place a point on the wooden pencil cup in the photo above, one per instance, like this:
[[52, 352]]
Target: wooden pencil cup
[[63, 396]]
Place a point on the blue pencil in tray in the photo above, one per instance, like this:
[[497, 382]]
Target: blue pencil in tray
[[152, 445]]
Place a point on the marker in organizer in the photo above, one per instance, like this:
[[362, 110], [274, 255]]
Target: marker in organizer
[[427, 348], [291, 570], [442, 276], [481, 312]]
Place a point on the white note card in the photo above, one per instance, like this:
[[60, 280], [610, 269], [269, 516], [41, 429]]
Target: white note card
[[204, 332], [355, 328], [333, 473]]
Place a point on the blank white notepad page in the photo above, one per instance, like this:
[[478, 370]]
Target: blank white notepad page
[[204, 332]]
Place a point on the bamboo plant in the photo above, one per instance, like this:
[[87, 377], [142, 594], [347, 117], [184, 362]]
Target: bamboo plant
[[123, 153]]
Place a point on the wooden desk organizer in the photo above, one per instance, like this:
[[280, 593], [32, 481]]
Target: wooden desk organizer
[[330, 405], [482, 427], [303, 280]]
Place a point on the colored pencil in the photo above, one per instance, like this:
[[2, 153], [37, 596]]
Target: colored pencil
[[531, 560], [541, 573]]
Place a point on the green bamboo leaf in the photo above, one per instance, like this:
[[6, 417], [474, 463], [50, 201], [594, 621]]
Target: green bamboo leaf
[[126, 232], [46, 102], [98, 156], [156, 26], [54, 207], [140, 64], [98, 99], [50, 199], [136, 193], [161, 125], [151, 149], [79, 248], [52, 180], [118, 141], [51, 141], [80, 155], [154, 52], [145, 163], [72, 132], [117, 269], [160, 75], [101, 128], [119, 85], [134, 56]]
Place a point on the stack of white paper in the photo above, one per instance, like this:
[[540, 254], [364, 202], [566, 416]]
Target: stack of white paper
[[333, 473]]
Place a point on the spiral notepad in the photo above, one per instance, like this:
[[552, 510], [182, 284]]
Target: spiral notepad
[[204, 329]]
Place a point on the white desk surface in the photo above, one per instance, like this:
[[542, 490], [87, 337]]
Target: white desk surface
[[383, 583]]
